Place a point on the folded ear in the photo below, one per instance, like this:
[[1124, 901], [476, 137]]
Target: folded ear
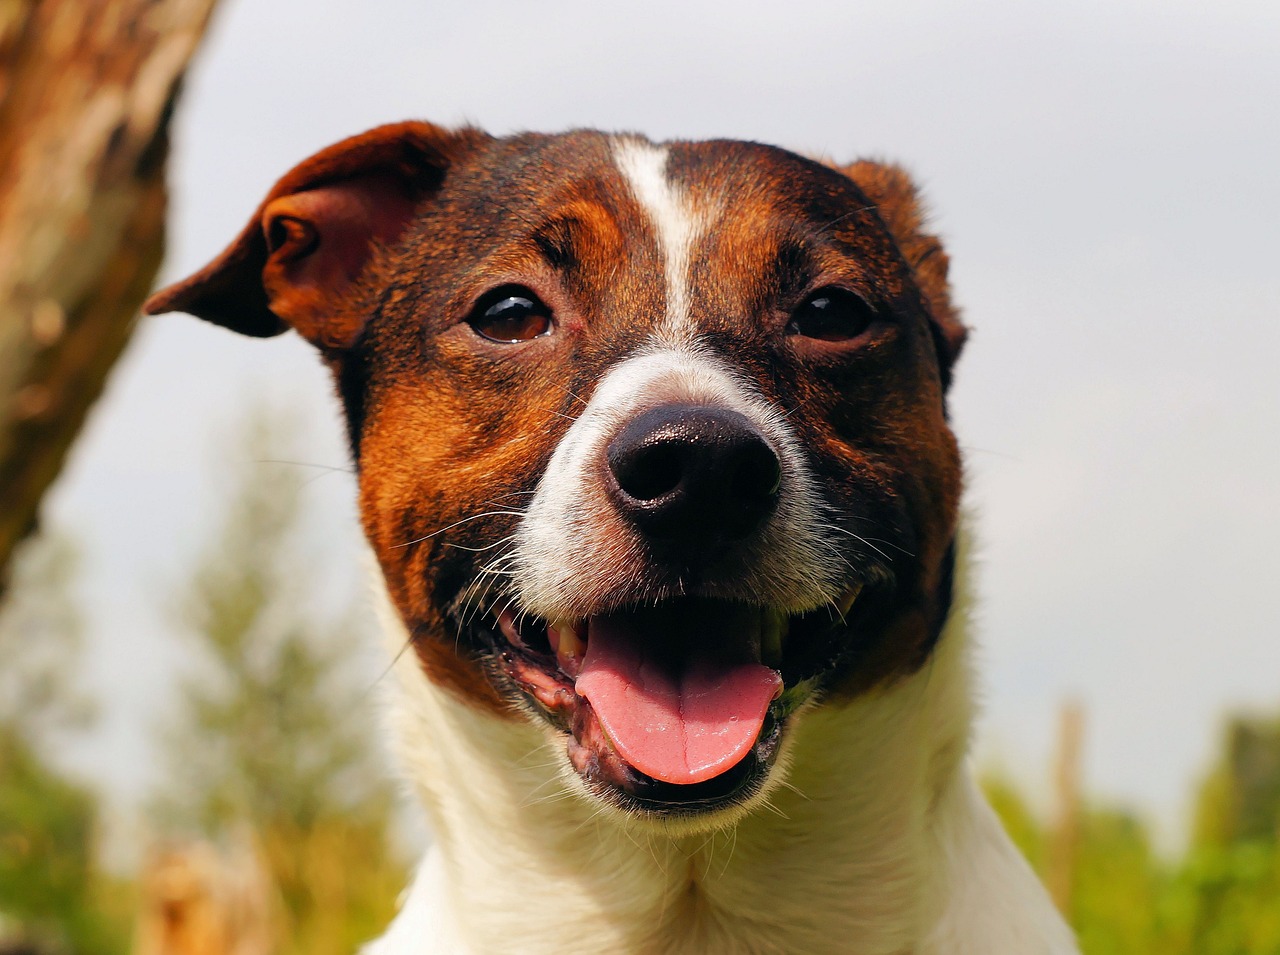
[[299, 258], [895, 197]]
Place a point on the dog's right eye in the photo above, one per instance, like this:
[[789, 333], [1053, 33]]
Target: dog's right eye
[[511, 315]]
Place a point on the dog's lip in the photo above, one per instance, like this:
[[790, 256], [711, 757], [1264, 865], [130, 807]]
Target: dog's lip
[[543, 659], [565, 637]]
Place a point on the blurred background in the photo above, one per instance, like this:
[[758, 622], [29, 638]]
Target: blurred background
[[188, 675]]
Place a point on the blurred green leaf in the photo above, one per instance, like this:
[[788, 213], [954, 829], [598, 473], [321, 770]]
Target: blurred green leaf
[[275, 729]]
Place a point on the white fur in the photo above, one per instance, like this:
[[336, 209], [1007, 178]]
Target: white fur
[[675, 219], [877, 843], [556, 564]]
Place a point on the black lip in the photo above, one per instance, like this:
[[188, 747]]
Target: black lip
[[740, 782]]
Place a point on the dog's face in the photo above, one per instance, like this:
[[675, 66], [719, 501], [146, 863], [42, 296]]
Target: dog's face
[[651, 439]]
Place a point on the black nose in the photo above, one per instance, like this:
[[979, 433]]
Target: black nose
[[693, 478]]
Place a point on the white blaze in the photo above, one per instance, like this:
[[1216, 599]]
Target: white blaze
[[676, 222]]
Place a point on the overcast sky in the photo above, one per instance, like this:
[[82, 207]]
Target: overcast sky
[[1104, 175]]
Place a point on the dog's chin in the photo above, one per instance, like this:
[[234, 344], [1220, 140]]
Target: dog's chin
[[753, 669]]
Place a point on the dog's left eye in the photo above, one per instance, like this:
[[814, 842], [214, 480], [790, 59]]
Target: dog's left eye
[[832, 315], [511, 315]]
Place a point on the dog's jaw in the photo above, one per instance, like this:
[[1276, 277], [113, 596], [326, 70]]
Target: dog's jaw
[[876, 843]]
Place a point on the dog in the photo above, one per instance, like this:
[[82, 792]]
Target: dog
[[654, 460]]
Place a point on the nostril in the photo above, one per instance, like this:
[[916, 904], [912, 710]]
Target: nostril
[[649, 472]]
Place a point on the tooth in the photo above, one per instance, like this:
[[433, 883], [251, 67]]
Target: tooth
[[507, 624], [847, 600], [566, 641], [773, 634]]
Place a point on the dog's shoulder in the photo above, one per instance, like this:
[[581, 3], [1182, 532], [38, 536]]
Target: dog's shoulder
[[424, 925], [995, 904]]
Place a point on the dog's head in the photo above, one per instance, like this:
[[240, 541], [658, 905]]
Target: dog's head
[[651, 439]]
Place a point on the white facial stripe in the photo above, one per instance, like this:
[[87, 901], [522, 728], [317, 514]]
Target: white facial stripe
[[677, 224], [574, 552]]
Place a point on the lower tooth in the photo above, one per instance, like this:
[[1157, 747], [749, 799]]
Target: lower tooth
[[773, 634], [846, 602], [507, 624]]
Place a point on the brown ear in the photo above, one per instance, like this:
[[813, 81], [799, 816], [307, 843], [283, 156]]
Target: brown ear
[[297, 261], [899, 206]]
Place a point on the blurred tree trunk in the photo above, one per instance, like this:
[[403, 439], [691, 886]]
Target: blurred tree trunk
[[1064, 839], [199, 899], [87, 88]]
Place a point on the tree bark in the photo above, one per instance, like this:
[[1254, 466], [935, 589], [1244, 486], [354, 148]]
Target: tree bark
[[87, 88]]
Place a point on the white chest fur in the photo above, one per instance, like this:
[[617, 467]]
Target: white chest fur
[[877, 843]]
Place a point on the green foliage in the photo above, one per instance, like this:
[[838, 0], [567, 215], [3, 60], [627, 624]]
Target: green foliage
[[275, 727], [1240, 801], [1117, 885], [1229, 886], [1221, 898], [50, 886], [40, 644], [1228, 900], [49, 882]]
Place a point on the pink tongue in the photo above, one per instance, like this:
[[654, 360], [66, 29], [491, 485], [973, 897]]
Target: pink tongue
[[680, 723]]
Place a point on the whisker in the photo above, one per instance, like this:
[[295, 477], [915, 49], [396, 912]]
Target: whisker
[[307, 464], [863, 540], [523, 761], [970, 449], [503, 497], [901, 550], [768, 804], [547, 799], [480, 550], [465, 520], [574, 395], [733, 845], [599, 811], [878, 540], [786, 784], [840, 218], [390, 666], [533, 798]]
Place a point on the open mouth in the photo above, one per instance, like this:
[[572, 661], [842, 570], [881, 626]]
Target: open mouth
[[677, 707]]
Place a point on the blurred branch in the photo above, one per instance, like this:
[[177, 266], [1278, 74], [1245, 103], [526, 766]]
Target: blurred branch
[[87, 89], [1065, 834]]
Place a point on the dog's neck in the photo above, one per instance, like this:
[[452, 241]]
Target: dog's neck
[[851, 852]]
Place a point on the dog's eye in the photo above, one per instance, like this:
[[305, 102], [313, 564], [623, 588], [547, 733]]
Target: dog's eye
[[510, 315], [832, 315]]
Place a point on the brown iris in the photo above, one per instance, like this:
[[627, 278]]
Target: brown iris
[[510, 315]]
